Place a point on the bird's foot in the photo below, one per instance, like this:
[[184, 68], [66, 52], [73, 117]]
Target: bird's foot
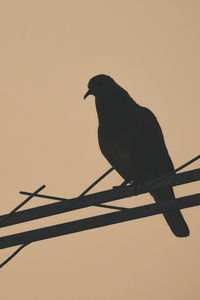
[[115, 187], [138, 186], [124, 183]]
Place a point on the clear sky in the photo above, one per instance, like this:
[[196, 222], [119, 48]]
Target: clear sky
[[49, 51]]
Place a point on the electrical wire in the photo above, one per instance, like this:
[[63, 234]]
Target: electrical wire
[[82, 194]]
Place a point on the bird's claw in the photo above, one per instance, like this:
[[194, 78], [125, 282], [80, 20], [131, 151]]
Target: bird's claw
[[123, 184], [138, 185], [115, 187]]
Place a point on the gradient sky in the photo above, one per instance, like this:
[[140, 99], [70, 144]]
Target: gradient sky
[[49, 51]]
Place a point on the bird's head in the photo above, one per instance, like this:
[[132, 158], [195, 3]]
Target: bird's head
[[99, 84]]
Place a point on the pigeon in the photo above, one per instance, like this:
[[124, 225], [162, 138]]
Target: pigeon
[[132, 141]]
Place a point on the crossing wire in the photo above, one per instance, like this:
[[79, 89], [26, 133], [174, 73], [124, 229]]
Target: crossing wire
[[82, 194]]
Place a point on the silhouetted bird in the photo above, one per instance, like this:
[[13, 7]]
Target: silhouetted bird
[[132, 141]]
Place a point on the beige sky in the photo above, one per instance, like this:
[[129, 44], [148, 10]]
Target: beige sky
[[49, 51]]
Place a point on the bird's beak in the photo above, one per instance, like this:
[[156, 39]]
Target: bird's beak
[[87, 94]]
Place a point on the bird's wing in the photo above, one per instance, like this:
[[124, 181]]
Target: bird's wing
[[152, 144]]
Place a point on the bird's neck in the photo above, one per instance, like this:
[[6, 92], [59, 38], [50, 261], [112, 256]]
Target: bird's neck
[[104, 108], [111, 108]]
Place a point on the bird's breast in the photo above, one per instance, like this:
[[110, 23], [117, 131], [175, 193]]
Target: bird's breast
[[118, 149]]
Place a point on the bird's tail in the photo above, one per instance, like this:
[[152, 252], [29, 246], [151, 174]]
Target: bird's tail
[[174, 218]]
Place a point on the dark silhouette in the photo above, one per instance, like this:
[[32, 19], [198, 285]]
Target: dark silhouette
[[132, 141]]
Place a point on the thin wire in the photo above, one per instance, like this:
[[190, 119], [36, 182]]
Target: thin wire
[[187, 164], [96, 181], [31, 196], [9, 215], [91, 186], [106, 173], [173, 172], [13, 255], [22, 204], [82, 194]]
